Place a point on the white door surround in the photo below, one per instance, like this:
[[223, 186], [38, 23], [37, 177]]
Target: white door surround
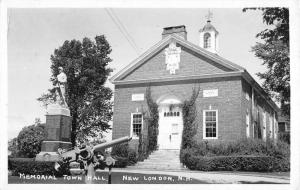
[[170, 123]]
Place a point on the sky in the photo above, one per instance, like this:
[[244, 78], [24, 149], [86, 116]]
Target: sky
[[33, 34]]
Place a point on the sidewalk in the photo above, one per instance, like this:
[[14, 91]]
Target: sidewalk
[[220, 177]]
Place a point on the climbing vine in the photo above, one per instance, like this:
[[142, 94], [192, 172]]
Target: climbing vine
[[189, 114], [149, 133], [152, 121]]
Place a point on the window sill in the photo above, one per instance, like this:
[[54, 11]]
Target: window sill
[[210, 138]]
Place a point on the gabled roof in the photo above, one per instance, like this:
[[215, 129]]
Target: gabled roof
[[236, 70], [165, 41]]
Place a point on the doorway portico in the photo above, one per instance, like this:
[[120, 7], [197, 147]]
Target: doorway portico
[[170, 122]]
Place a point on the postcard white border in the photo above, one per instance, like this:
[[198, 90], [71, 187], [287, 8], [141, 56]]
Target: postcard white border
[[295, 78]]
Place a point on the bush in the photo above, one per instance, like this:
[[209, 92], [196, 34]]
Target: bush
[[229, 163], [242, 155], [285, 137], [30, 140], [32, 167], [121, 162], [124, 155]]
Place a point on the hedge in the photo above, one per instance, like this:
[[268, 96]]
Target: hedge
[[124, 156], [32, 167], [285, 137], [230, 163], [29, 166], [242, 155]]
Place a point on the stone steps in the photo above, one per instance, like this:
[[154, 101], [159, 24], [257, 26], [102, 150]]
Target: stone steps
[[165, 160]]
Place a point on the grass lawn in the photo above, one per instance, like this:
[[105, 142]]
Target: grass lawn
[[102, 178]]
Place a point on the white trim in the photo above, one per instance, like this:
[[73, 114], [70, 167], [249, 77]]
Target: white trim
[[252, 111], [275, 126], [204, 126], [286, 127], [247, 96], [140, 58], [181, 78], [131, 124], [271, 126], [247, 123], [264, 125], [194, 47], [211, 55]]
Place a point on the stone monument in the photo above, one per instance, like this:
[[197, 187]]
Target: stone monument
[[58, 124]]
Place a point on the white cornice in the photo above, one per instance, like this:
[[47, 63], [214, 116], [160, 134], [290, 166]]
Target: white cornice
[[179, 78], [157, 47]]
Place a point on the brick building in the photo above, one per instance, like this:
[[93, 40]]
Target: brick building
[[230, 105]]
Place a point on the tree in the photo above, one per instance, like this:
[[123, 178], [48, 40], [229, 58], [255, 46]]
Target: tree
[[85, 64], [13, 147], [275, 53], [29, 140]]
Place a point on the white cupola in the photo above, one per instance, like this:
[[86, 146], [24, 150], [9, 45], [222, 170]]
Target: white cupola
[[209, 37]]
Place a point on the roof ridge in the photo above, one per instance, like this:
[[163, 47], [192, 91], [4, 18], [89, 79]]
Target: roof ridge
[[213, 56]]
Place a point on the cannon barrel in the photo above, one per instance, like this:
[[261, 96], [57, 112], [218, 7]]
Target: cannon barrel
[[111, 143], [88, 152]]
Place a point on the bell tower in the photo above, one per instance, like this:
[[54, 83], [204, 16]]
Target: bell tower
[[209, 36]]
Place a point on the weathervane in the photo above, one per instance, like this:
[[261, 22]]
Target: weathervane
[[209, 15]]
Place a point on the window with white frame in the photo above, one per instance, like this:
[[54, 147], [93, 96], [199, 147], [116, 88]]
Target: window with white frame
[[264, 125], [136, 124], [271, 126], [287, 127], [247, 96], [265, 119], [210, 124], [247, 123]]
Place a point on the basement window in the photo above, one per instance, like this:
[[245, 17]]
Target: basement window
[[136, 124], [210, 124]]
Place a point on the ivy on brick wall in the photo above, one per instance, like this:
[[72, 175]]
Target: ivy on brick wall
[[152, 121], [143, 149], [189, 114], [149, 133]]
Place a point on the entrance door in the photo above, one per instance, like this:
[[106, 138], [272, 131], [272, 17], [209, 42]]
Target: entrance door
[[170, 128]]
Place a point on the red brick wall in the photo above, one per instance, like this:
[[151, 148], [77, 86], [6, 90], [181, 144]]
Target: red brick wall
[[261, 105], [228, 103], [246, 104], [190, 64]]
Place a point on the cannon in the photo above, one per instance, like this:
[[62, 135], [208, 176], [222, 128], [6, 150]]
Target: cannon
[[89, 156]]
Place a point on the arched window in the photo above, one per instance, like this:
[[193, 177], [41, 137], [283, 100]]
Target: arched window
[[207, 40]]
